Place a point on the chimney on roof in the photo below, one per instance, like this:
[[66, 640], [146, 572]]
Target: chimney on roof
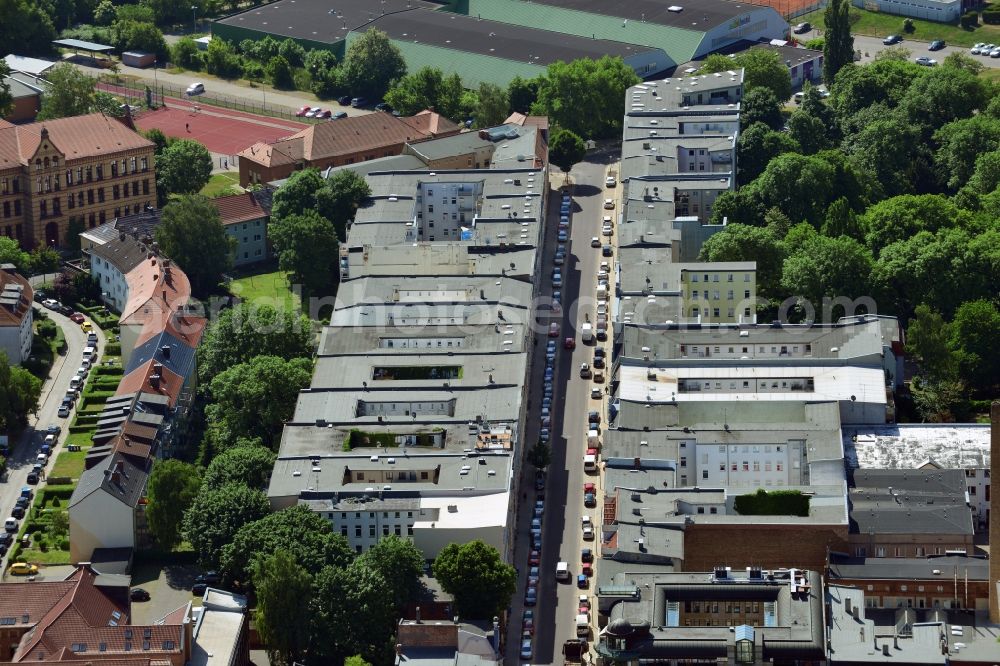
[[165, 350], [135, 233], [154, 381], [418, 615], [116, 478], [399, 649], [126, 440], [122, 237]]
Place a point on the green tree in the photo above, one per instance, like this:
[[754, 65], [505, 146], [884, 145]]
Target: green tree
[[249, 465], [841, 221], [827, 267], [522, 94], [46, 260], [59, 523], [282, 617], [159, 139], [756, 147], [325, 78], [493, 105], [70, 93], [183, 167], [104, 13], [26, 24], [904, 216], [185, 53], [960, 143], [897, 53], [172, 488], [943, 95], [6, 99], [958, 60], [882, 81], [221, 59], [217, 514], [400, 563], [356, 660], [300, 530], [739, 242], [763, 68], [477, 577], [973, 338], [566, 149], [339, 199], [248, 330], [297, 195], [761, 106], [586, 96], [801, 186], [927, 340], [838, 44], [887, 148], [540, 455], [937, 400], [191, 233], [19, 393], [372, 63], [255, 398], [11, 253], [293, 52], [306, 245], [808, 131], [423, 89], [352, 613], [279, 73], [140, 36]]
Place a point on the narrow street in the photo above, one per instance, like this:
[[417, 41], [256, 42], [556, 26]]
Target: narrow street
[[27, 447], [562, 540]]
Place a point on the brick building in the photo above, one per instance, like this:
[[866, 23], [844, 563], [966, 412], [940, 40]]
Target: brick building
[[954, 581], [86, 168], [336, 143]]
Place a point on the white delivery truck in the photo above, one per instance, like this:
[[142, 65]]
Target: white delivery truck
[[590, 463], [582, 625], [593, 439], [562, 571], [587, 333]]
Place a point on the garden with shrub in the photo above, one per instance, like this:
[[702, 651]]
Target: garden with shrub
[[47, 526]]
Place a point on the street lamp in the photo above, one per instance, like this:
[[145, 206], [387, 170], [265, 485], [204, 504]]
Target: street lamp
[[194, 20]]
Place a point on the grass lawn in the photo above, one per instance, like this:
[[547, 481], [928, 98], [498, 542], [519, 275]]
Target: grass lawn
[[69, 464], [878, 24], [991, 74], [222, 183], [265, 289]]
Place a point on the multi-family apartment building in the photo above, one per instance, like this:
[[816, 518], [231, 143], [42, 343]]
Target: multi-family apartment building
[[90, 168], [16, 315], [413, 422]]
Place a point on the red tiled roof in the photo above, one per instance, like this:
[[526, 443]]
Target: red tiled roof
[[154, 290], [34, 600], [170, 383], [432, 123], [283, 151], [541, 122], [76, 137], [73, 618], [238, 208]]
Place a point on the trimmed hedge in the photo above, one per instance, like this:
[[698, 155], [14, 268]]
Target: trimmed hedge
[[113, 349], [991, 16], [969, 20], [60, 479], [774, 503], [80, 429]]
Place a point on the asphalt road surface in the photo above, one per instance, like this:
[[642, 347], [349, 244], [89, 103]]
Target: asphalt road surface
[[870, 46], [24, 450], [562, 540]]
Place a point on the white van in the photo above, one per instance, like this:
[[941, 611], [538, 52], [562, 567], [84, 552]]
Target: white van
[[590, 463], [10, 524], [90, 354], [582, 626], [75, 383], [562, 571]]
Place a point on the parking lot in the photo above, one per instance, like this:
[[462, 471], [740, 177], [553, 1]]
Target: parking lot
[[169, 588]]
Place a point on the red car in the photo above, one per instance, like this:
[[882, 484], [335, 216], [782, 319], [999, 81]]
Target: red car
[[303, 111], [589, 488], [535, 558], [591, 452], [569, 343], [587, 570], [326, 113], [76, 317]]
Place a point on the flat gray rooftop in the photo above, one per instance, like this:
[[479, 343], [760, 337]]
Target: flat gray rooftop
[[406, 340], [701, 17]]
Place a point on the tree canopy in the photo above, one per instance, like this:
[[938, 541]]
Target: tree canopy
[[172, 488], [217, 514], [249, 465], [70, 92], [585, 96], [400, 563], [838, 44], [191, 234], [255, 398], [427, 88], [281, 617], [372, 62], [183, 167], [19, 393], [252, 329], [303, 532], [477, 577], [566, 149], [307, 249]]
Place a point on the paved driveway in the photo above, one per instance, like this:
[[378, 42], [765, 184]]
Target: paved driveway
[[169, 588]]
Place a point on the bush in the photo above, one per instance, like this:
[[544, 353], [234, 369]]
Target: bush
[[47, 328], [253, 71], [991, 16], [64, 543], [113, 349], [816, 43], [279, 72], [774, 503], [56, 502], [908, 26], [185, 54], [969, 20]]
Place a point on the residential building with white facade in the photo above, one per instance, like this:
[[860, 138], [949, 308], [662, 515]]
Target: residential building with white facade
[[16, 316]]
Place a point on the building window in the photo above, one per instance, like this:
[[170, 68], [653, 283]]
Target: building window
[[145, 186], [90, 196], [115, 192], [114, 169], [100, 195]]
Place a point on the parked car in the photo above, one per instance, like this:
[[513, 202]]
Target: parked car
[[936, 45], [925, 61], [23, 569], [138, 594], [606, 251], [77, 318], [358, 102], [892, 39], [569, 343], [324, 114], [198, 589], [610, 181], [526, 649], [609, 204], [582, 581], [303, 111], [86, 327], [535, 558], [344, 100], [976, 49], [382, 106], [195, 89], [314, 112], [802, 27], [51, 303], [338, 115]]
